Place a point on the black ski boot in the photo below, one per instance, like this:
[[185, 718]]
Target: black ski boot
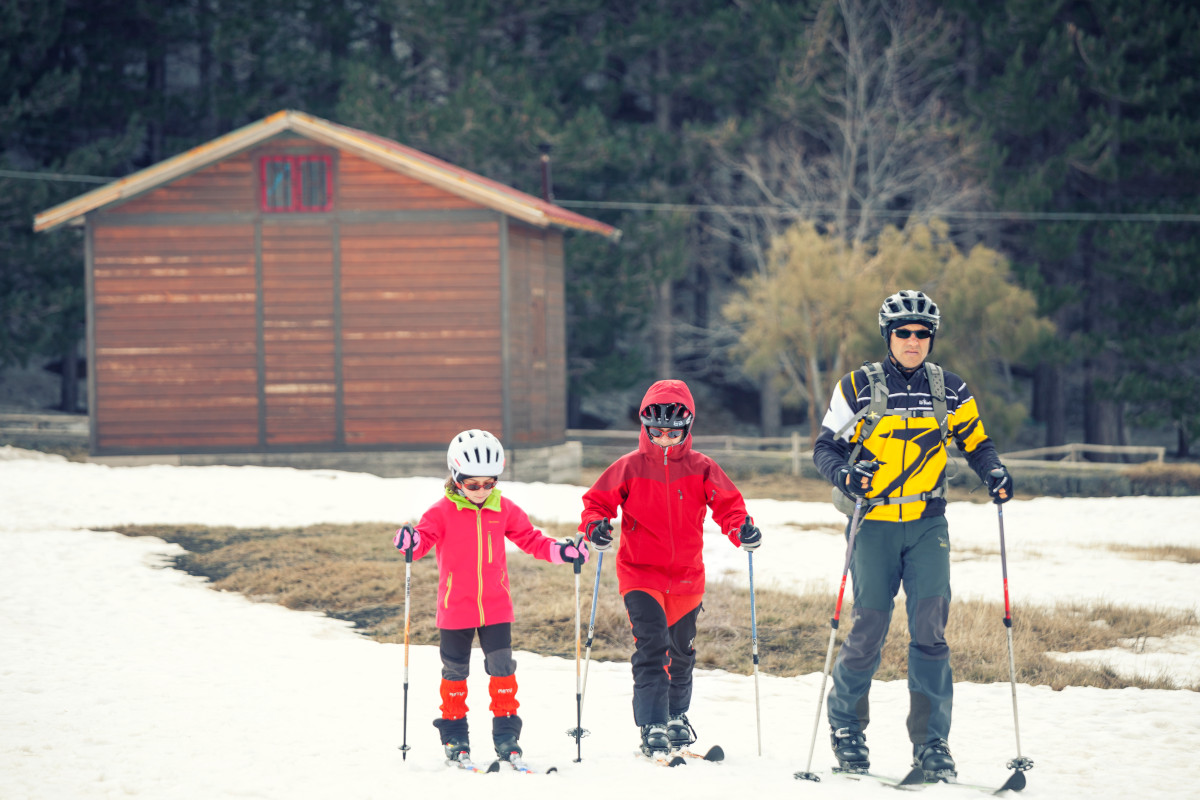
[[680, 731], [454, 737], [935, 760], [505, 732], [655, 739], [850, 748]]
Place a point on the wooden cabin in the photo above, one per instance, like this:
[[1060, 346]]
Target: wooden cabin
[[298, 285]]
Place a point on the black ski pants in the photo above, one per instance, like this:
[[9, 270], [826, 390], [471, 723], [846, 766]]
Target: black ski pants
[[663, 658]]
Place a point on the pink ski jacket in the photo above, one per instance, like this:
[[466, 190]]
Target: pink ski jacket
[[472, 568]]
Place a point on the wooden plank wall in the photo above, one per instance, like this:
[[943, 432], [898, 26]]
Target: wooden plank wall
[[174, 328], [420, 331], [417, 305], [537, 336], [299, 369]]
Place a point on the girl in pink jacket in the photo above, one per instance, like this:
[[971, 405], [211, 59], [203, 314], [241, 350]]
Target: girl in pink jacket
[[469, 526]]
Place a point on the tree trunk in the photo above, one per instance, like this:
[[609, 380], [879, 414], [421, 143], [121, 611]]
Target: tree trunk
[[69, 387], [1049, 403], [663, 357], [770, 406]]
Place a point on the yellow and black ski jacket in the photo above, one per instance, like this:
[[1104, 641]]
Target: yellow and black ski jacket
[[910, 448]]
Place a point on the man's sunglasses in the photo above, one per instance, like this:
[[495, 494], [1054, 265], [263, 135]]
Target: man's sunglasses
[[903, 333], [674, 433], [473, 486]]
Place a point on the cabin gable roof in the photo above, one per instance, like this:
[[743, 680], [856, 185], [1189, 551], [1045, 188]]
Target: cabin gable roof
[[377, 149]]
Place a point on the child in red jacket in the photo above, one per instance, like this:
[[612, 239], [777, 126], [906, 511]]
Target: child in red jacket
[[663, 490], [469, 526]]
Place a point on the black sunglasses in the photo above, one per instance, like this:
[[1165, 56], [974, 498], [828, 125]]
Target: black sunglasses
[[903, 333], [472, 486], [669, 433]]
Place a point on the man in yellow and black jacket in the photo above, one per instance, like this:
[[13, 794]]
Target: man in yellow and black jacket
[[883, 441]]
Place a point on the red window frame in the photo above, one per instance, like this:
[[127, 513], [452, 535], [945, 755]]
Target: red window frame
[[297, 196]]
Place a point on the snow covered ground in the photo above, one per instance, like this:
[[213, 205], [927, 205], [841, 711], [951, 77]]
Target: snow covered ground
[[120, 677]]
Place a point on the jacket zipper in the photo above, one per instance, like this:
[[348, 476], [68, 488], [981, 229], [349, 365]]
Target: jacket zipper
[[479, 563]]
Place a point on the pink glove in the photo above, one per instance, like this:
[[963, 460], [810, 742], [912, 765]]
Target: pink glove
[[565, 551], [407, 538]]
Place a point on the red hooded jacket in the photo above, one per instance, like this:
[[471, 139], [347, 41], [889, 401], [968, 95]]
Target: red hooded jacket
[[663, 499]]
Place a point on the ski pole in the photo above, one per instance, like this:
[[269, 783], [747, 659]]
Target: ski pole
[[807, 774], [578, 567], [1016, 781], [587, 656], [754, 650], [408, 556]]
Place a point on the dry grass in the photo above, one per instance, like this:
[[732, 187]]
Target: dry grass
[[1166, 552], [352, 572]]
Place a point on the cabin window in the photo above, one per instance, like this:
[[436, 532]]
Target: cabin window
[[297, 184]]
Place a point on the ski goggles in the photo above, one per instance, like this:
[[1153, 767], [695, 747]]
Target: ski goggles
[[670, 433], [475, 486], [903, 333]]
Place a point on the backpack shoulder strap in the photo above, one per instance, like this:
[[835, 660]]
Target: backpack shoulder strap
[[874, 412], [937, 391]]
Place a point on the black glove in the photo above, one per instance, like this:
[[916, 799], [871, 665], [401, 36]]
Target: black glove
[[599, 533], [998, 481], [750, 536], [855, 480]]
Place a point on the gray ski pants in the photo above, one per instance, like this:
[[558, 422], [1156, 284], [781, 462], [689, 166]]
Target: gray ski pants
[[887, 555]]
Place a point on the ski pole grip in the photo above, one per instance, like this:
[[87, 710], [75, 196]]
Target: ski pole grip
[[997, 472], [577, 562], [408, 551]]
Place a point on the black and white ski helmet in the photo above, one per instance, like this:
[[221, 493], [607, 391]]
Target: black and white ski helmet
[[666, 415], [475, 454], [906, 306]]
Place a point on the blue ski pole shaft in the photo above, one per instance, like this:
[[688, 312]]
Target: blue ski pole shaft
[[587, 656], [754, 650]]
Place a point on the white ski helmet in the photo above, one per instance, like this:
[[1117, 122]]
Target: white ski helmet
[[905, 306], [475, 454]]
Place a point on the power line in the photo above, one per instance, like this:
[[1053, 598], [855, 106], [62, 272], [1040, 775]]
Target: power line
[[752, 210], [1060, 216], [53, 176]]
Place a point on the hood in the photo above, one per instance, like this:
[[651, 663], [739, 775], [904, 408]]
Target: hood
[[668, 391]]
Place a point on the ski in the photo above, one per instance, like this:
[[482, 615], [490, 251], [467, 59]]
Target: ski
[[519, 765], [714, 753], [915, 780], [464, 762], [662, 759]]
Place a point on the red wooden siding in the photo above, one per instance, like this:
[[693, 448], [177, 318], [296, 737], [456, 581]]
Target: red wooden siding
[[225, 187], [420, 331], [174, 324], [300, 374], [537, 336], [365, 186]]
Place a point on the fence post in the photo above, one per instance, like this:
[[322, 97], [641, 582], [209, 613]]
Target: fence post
[[796, 453]]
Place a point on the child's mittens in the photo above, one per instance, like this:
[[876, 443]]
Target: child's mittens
[[566, 551], [407, 538]]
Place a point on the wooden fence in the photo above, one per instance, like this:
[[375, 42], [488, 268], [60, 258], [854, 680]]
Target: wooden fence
[[794, 453]]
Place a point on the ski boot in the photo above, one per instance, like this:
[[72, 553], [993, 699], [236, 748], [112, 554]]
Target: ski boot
[[505, 732], [935, 760], [680, 731], [655, 740], [454, 738], [850, 748]]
